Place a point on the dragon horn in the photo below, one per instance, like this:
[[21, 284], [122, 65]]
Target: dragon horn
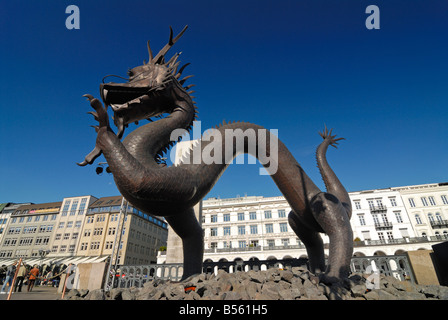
[[160, 56], [150, 52]]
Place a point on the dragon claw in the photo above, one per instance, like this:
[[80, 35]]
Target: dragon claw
[[89, 97], [332, 138]]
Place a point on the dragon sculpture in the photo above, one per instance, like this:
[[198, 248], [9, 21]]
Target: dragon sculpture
[[155, 89]]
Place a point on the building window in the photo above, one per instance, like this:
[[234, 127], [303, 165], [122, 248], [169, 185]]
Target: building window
[[214, 218], [418, 219], [444, 199], [213, 232], [283, 227], [432, 201], [371, 204], [269, 228], [65, 208], [253, 229], [398, 216], [438, 217], [393, 202], [69, 224], [82, 206], [268, 214], [240, 216], [227, 231], [241, 230], [271, 243], [424, 201], [285, 242], [66, 236], [242, 244], [253, 215], [282, 213], [61, 225], [73, 208], [226, 217], [411, 202], [357, 204], [362, 221]]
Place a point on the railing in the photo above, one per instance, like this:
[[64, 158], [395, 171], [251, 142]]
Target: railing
[[383, 225], [378, 208], [253, 248], [136, 276], [395, 266], [439, 224]]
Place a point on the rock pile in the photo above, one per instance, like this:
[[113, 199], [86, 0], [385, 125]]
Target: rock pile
[[273, 284]]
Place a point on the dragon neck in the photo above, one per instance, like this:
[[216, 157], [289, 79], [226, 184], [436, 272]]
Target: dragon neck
[[148, 143]]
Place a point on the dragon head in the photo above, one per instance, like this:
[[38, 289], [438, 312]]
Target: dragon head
[[149, 90]]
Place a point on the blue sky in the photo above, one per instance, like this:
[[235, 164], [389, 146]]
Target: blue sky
[[287, 65]]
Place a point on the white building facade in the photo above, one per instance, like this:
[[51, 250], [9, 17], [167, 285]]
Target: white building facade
[[427, 206], [69, 223], [383, 222]]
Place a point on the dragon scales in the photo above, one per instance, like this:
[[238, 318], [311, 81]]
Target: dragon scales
[[155, 88]]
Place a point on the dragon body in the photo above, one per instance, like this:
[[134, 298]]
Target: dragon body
[[155, 88]]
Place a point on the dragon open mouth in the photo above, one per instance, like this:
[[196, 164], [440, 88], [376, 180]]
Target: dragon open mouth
[[118, 94]]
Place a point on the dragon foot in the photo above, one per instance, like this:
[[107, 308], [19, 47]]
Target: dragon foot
[[100, 115]]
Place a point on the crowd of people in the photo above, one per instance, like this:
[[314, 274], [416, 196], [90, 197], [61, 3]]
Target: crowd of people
[[27, 275]]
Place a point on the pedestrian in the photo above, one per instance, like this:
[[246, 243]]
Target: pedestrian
[[21, 274], [34, 273], [10, 272]]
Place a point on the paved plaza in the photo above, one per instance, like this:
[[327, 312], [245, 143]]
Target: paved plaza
[[38, 293]]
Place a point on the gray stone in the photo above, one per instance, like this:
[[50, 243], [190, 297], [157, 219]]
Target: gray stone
[[97, 294], [115, 293], [256, 276], [286, 275], [358, 290], [127, 295]]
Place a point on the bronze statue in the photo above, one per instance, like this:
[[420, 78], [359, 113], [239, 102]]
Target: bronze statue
[[155, 88]]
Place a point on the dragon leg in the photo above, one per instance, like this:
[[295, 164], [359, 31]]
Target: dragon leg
[[189, 230], [313, 243], [332, 217]]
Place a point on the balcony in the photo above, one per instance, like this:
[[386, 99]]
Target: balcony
[[383, 226], [437, 224], [376, 209]]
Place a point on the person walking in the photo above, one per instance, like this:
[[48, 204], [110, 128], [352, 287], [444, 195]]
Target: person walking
[[10, 272], [21, 274], [34, 273]]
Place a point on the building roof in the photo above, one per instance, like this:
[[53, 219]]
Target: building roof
[[39, 208], [107, 201]]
